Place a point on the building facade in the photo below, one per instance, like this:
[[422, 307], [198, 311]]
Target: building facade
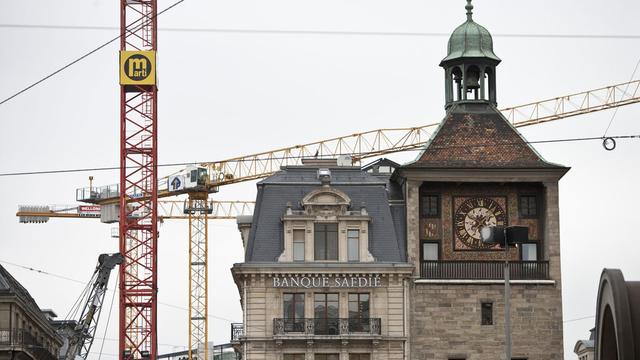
[[387, 262], [477, 171], [325, 275], [585, 349], [25, 330]]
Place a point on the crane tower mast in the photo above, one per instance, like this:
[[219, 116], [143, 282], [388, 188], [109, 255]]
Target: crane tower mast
[[138, 227]]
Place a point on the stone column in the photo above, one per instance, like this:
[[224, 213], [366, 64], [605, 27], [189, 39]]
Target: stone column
[[552, 231], [412, 197], [344, 350], [309, 353]]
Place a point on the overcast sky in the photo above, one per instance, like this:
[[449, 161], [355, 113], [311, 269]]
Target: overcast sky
[[228, 94]]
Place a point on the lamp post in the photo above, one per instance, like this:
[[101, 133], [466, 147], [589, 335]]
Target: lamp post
[[505, 237]]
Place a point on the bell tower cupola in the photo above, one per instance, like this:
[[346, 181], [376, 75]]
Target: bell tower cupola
[[470, 64]]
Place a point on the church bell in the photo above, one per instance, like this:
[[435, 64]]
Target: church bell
[[471, 81]]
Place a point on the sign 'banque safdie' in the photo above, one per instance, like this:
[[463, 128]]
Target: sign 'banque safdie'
[[306, 281]]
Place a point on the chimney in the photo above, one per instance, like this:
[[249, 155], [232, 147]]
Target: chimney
[[244, 225]]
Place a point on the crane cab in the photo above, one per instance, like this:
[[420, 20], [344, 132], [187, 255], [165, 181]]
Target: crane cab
[[195, 176], [189, 178]]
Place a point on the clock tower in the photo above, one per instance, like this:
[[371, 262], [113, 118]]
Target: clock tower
[[477, 170]]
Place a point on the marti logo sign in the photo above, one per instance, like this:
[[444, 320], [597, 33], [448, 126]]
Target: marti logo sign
[[137, 67]]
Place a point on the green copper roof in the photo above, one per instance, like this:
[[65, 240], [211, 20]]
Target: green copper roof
[[470, 40]]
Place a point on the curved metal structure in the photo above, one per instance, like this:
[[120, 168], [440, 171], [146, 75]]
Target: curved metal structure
[[617, 317]]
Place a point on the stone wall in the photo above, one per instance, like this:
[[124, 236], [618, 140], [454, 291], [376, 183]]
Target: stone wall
[[446, 323], [263, 303]]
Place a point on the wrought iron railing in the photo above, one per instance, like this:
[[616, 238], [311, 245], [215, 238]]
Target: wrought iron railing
[[484, 270], [22, 338], [237, 331], [327, 326]]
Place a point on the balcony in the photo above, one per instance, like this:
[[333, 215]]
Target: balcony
[[483, 270], [237, 331], [327, 327], [16, 339]]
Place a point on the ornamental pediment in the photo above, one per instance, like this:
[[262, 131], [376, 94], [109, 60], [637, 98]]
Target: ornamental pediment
[[326, 196]]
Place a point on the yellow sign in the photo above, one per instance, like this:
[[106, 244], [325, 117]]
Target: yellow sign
[[137, 67]]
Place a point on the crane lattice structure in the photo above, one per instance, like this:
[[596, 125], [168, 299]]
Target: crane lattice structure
[[138, 239], [210, 176], [385, 141], [167, 210]]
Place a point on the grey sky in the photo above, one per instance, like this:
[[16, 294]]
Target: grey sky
[[223, 95]]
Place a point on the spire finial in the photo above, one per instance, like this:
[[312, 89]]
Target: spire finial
[[469, 8]]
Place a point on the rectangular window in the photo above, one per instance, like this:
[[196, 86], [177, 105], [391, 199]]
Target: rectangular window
[[430, 206], [293, 356], [326, 356], [529, 252], [325, 313], [293, 312], [298, 245], [325, 241], [487, 313], [359, 312], [359, 357], [353, 244], [528, 206], [430, 251]]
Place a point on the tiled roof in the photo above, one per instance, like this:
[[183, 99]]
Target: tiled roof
[[476, 135]]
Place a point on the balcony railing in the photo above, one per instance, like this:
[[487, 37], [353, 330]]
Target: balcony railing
[[484, 270], [21, 338], [327, 326], [237, 331]]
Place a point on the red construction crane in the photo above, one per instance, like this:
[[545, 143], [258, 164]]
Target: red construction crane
[[138, 177]]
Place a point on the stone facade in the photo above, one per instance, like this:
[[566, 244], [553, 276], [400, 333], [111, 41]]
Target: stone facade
[[446, 313], [442, 294], [477, 171], [265, 339], [26, 331], [446, 322], [336, 284]]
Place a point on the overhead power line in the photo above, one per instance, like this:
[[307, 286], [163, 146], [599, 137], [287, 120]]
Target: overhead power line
[[77, 60], [175, 306], [319, 32], [80, 282], [272, 32], [418, 147]]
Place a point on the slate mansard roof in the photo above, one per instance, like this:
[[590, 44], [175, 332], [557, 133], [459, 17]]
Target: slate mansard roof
[[291, 184]]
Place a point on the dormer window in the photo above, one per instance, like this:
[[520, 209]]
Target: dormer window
[[353, 244], [298, 245], [325, 226], [326, 241]]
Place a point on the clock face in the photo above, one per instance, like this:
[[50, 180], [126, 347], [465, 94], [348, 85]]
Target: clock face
[[472, 215]]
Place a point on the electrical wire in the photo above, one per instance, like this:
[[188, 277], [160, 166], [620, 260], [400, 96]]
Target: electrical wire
[[42, 272], [100, 47], [580, 318], [615, 111], [91, 281], [416, 147], [320, 32]]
